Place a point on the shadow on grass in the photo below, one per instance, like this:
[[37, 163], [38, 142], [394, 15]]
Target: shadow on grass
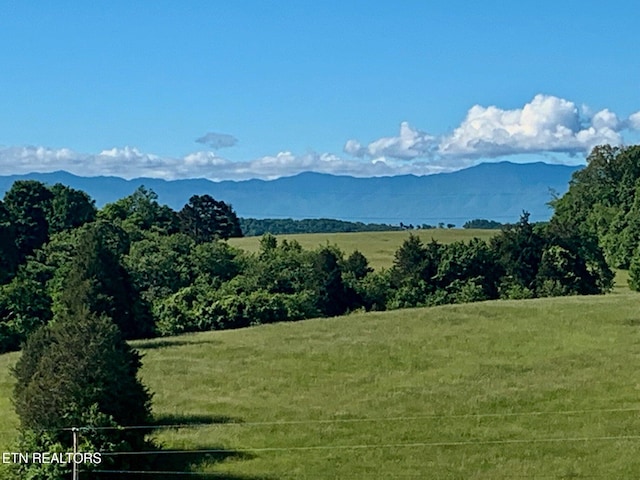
[[186, 339], [170, 421], [194, 461], [168, 463], [171, 463]]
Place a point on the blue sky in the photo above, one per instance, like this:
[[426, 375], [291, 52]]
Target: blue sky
[[271, 88]]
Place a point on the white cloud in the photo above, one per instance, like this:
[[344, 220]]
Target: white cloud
[[542, 128], [634, 121], [409, 144], [128, 162], [547, 124]]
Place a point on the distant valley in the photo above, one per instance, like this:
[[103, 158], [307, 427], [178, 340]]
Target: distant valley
[[495, 191]]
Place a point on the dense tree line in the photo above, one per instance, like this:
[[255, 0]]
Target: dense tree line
[[483, 224], [603, 203], [155, 271], [252, 227], [56, 247]]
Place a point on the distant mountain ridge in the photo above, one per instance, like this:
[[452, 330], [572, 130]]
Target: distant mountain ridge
[[494, 191]]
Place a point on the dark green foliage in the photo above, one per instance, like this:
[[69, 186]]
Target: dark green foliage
[[412, 274], [374, 290], [205, 219], [160, 265], [197, 308], [255, 227], [555, 259], [9, 258], [482, 223], [28, 203], [469, 270], [79, 372], [284, 268], [141, 212], [216, 262], [603, 201], [333, 297], [133, 266], [573, 260], [25, 305], [97, 280], [70, 208], [519, 250], [357, 265], [634, 272], [416, 264]]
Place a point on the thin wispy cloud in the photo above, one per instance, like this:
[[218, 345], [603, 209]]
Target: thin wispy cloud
[[545, 126]]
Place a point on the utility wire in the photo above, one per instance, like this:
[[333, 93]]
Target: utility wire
[[384, 445], [373, 419], [349, 420]]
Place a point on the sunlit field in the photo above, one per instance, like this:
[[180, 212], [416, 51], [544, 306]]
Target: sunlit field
[[378, 247], [541, 388]]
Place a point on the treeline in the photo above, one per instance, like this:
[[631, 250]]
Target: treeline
[[56, 248], [252, 227], [482, 223], [154, 271], [603, 201]]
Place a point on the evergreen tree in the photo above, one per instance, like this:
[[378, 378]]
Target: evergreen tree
[[519, 250], [333, 298], [205, 219], [79, 372], [97, 280]]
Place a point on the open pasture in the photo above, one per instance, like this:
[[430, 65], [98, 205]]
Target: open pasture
[[544, 388], [378, 247]]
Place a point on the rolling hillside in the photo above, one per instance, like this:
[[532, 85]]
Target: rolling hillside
[[542, 388]]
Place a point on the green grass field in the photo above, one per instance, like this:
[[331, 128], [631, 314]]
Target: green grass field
[[378, 247], [544, 388]]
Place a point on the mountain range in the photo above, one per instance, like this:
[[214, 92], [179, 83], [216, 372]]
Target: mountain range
[[495, 191]]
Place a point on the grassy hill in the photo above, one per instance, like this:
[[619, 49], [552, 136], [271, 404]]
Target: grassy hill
[[542, 388], [378, 247]]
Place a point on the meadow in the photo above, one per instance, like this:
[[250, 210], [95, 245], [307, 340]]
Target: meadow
[[543, 388], [378, 247]]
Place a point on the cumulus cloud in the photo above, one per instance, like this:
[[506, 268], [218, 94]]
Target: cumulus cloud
[[547, 124], [634, 121], [410, 143], [217, 141]]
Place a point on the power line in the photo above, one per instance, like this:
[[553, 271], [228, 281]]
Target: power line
[[148, 472], [375, 419], [385, 445], [349, 420]]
